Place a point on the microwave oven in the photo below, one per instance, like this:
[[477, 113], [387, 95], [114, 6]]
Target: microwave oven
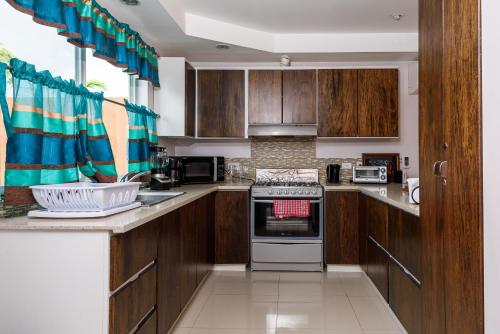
[[201, 169], [369, 174]]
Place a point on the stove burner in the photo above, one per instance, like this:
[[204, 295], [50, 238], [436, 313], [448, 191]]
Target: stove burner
[[291, 183]]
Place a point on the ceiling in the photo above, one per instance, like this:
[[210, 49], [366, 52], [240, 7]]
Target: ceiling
[[311, 16], [167, 33]]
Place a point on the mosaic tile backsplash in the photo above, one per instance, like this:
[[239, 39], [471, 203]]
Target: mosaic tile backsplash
[[290, 153]]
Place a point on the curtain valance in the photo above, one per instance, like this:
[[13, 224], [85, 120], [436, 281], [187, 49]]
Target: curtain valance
[[55, 129], [142, 135], [86, 24]]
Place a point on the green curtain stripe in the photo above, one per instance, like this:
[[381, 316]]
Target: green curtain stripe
[[139, 166]]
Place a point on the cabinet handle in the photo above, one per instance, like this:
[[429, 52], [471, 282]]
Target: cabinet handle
[[440, 169]]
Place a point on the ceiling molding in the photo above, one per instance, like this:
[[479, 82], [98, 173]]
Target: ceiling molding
[[216, 30]]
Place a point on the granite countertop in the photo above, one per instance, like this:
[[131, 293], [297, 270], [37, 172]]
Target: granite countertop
[[390, 194], [122, 222]]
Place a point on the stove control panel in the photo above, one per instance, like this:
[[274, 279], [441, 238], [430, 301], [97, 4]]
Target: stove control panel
[[287, 192]]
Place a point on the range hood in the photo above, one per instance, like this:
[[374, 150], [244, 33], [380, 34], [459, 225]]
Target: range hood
[[276, 130]]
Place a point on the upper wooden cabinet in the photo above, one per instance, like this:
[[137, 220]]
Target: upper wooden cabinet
[[264, 97], [299, 97], [175, 100], [281, 97], [221, 103], [358, 103], [338, 103], [378, 103]]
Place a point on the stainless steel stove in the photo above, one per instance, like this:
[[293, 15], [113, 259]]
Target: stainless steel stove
[[291, 242]]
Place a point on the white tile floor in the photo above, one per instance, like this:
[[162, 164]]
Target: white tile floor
[[287, 303]]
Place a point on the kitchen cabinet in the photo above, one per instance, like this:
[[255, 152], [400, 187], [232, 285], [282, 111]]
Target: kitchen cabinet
[[264, 96], [169, 272], [378, 221], [232, 231], [189, 250], [363, 231], [221, 103], [341, 228], [149, 326], [378, 103], [131, 304], [338, 103], [175, 100], [358, 103], [405, 299], [378, 268], [299, 96]]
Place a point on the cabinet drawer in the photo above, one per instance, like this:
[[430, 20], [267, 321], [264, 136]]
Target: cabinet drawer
[[132, 303], [286, 253], [149, 326], [377, 215], [378, 269], [132, 251]]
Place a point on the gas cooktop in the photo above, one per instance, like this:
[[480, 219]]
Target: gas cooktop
[[287, 183]]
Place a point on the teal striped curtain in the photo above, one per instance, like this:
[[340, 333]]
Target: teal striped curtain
[[141, 136], [55, 129]]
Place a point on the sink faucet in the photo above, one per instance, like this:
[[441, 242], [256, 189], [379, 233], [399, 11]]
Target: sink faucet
[[129, 178]]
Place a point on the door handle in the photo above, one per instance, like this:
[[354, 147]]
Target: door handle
[[440, 169]]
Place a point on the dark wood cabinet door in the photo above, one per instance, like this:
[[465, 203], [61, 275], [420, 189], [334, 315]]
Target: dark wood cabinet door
[[169, 272], [378, 103], [149, 326], [190, 100], [341, 228], [221, 103], [132, 303], [405, 299], [299, 96], [378, 269], [264, 97], [202, 221], [337, 103], [232, 227], [405, 240], [378, 219], [363, 232], [132, 251], [189, 252]]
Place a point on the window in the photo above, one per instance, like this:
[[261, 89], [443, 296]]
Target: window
[[103, 76], [36, 44]]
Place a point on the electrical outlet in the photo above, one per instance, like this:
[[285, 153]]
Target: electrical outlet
[[233, 165], [346, 165]]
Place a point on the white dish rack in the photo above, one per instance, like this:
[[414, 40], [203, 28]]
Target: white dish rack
[[85, 197]]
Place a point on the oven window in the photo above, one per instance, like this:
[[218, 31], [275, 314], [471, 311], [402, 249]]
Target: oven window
[[267, 224], [370, 173]]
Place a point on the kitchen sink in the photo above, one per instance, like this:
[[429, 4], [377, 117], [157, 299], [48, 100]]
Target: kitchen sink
[[149, 198]]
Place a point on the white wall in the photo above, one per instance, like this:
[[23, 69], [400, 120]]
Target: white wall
[[491, 161], [406, 146]]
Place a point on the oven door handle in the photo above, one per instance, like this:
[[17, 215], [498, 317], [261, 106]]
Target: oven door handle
[[272, 201]]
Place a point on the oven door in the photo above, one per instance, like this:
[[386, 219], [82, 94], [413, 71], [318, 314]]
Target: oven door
[[266, 225], [199, 170]]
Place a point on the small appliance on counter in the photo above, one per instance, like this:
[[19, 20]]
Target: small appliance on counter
[[369, 174], [333, 173], [414, 190], [175, 171], [160, 180], [201, 169]]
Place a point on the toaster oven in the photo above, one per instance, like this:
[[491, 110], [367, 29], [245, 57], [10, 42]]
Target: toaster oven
[[369, 174]]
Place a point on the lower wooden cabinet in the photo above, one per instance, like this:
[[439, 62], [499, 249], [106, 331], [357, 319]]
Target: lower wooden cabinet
[[378, 269], [363, 232], [232, 234], [149, 326], [341, 228], [169, 272], [130, 305], [405, 300]]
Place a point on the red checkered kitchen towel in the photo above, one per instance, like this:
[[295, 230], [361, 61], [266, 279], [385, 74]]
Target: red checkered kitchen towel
[[292, 208]]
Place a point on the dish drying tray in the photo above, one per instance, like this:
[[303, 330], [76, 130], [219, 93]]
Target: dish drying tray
[[82, 214], [85, 197]]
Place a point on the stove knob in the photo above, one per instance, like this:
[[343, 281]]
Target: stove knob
[[293, 191], [285, 192], [300, 192], [279, 192], [270, 191], [308, 192]]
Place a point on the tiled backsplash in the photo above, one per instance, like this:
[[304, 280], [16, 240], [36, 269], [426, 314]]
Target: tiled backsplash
[[290, 153]]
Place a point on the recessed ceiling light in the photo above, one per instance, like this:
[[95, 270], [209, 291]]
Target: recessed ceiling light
[[222, 46], [397, 16], [130, 2]]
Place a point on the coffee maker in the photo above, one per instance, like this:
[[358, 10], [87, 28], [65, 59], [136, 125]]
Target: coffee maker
[[175, 171], [333, 173], [159, 160]]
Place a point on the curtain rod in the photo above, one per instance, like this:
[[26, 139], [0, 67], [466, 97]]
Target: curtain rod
[[105, 99]]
